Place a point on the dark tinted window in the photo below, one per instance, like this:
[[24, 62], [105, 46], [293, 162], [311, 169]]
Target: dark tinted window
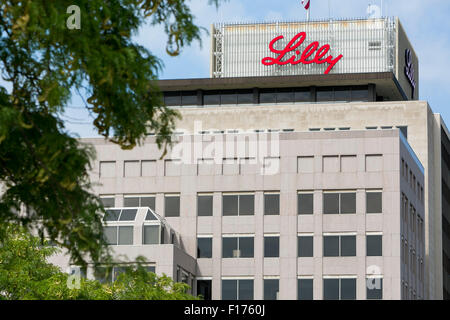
[[110, 234], [172, 206], [204, 248], [172, 99], [245, 289], [331, 246], [228, 97], [374, 202], [360, 95], [131, 202], [150, 216], [229, 290], [348, 289], [230, 205], [342, 94], [305, 203], [246, 205], [271, 247], [108, 202], [374, 245], [331, 203], [125, 235], [302, 95], [111, 215], [305, 289], [348, 246], [285, 96], [211, 98], [205, 205], [245, 96], [246, 246], [271, 288], [189, 98], [331, 289], [148, 202], [228, 246], [271, 204], [374, 289], [204, 288], [151, 235], [348, 202], [267, 96], [305, 246], [128, 215], [324, 94]]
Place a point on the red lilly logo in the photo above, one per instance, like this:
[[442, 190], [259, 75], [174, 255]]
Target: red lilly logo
[[304, 57]]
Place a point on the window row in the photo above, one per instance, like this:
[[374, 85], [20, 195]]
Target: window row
[[412, 219], [414, 183], [273, 96], [237, 166], [333, 246], [334, 288]]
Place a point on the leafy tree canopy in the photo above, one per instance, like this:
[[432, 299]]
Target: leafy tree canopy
[[26, 274], [42, 167]]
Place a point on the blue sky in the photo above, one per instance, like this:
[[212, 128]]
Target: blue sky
[[427, 24]]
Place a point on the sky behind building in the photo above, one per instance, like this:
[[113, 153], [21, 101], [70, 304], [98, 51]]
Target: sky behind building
[[426, 24]]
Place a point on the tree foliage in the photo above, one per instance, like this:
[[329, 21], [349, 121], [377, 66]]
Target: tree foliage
[[42, 167], [26, 274]]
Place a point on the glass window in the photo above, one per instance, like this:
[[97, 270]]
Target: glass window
[[172, 98], [271, 204], [125, 235], [205, 205], [228, 97], [108, 202], [267, 96], [374, 202], [305, 203], [230, 205], [348, 202], [229, 290], [172, 206], [348, 246], [128, 215], [360, 95], [374, 245], [305, 246], [111, 215], [331, 203], [150, 269], [204, 248], [305, 289], [211, 98], [285, 96], [302, 95], [189, 98], [245, 289], [271, 289], [324, 94], [271, 247], [348, 289], [331, 246], [374, 289], [342, 94], [151, 235], [131, 202], [229, 246], [204, 289], [148, 202], [103, 274], [110, 234], [246, 246], [245, 96], [330, 289], [246, 205], [150, 216]]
